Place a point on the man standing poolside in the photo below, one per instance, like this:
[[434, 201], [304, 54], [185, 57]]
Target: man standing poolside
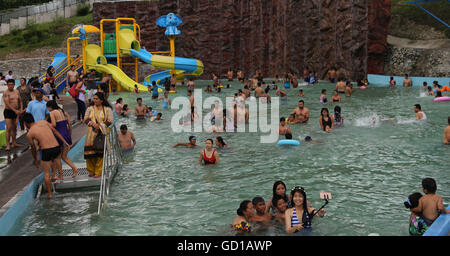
[[13, 109], [301, 113], [407, 81], [72, 76], [38, 107], [44, 133], [420, 115], [447, 133], [125, 138]]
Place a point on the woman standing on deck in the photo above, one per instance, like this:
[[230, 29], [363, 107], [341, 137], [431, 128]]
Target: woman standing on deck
[[98, 117], [61, 121]]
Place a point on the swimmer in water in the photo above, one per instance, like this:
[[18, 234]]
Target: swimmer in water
[[325, 121], [336, 97], [283, 128], [191, 144], [309, 139], [283, 95], [209, 155], [447, 133], [300, 93], [157, 117], [420, 115], [301, 113], [430, 91], [323, 97], [291, 119], [338, 118], [140, 110], [300, 215], [241, 224], [220, 143], [260, 206], [279, 190], [281, 207]]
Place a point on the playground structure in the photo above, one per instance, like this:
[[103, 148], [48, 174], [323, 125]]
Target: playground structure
[[108, 58]]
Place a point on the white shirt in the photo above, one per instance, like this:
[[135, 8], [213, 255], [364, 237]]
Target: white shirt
[[7, 77]]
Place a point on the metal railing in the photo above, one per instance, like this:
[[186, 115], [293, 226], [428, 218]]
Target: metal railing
[[112, 159]]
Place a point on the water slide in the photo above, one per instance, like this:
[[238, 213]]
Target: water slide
[[95, 60], [59, 64]]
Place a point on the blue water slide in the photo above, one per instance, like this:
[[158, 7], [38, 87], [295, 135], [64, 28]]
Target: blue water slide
[[440, 227]]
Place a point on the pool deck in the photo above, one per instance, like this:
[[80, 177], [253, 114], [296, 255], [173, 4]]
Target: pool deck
[[21, 171]]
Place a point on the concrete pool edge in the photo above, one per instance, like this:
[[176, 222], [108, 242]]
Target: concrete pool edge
[[417, 81], [14, 209]]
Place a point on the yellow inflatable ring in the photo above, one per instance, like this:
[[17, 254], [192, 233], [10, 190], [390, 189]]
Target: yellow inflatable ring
[[172, 91], [160, 90]]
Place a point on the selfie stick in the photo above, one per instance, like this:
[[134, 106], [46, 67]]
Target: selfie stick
[[326, 202]]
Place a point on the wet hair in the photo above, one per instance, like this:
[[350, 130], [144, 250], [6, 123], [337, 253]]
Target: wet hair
[[337, 114], [429, 88], [413, 200], [125, 107], [301, 101], [257, 199], [243, 207], [438, 94], [277, 198], [101, 96], [282, 119], [425, 83], [28, 118], [266, 90], [321, 111], [303, 193], [11, 81], [308, 138], [52, 104], [139, 99], [220, 139], [418, 106], [430, 185], [123, 127], [324, 90], [118, 100], [274, 189], [212, 142], [159, 114], [288, 136]]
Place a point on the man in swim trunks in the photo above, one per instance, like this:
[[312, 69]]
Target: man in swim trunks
[[259, 91], [192, 103], [332, 75], [140, 110], [447, 133], [44, 133], [191, 84], [13, 109], [125, 137], [260, 207], [420, 115], [301, 113], [407, 81], [191, 144], [348, 89], [72, 76], [341, 86]]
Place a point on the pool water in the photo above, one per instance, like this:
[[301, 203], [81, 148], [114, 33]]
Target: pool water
[[370, 166]]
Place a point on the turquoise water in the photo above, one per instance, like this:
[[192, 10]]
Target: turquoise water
[[370, 166]]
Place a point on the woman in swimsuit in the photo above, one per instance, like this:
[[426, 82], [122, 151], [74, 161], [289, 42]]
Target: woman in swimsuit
[[300, 209], [220, 143], [60, 120], [209, 155], [326, 122], [279, 189], [336, 97], [241, 223]]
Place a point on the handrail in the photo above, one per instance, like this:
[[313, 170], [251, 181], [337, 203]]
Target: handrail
[[112, 159]]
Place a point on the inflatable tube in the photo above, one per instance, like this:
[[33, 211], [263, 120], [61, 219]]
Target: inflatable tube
[[445, 98], [160, 90], [288, 142], [363, 87], [172, 91], [445, 89]]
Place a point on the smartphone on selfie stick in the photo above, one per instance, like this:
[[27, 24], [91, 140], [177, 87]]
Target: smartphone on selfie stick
[[325, 196]]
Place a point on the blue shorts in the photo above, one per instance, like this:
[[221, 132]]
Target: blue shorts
[[127, 150], [332, 80]]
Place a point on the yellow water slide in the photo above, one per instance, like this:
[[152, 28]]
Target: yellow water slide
[[95, 60]]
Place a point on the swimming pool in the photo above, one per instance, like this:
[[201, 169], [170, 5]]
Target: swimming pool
[[370, 166]]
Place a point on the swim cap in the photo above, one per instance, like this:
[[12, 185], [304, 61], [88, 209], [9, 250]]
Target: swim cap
[[307, 138]]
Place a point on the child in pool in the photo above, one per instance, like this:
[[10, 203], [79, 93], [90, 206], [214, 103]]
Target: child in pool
[[430, 205], [301, 94], [157, 117], [417, 225], [430, 91], [323, 97], [124, 112], [291, 119], [260, 207]]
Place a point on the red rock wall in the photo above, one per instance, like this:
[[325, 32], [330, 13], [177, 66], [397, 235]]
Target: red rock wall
[[379, 19], [271, 35]]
